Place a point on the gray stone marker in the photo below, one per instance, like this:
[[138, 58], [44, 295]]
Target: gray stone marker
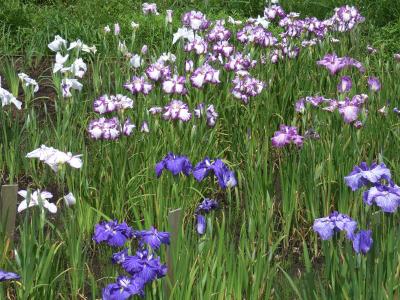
[[174, 221]]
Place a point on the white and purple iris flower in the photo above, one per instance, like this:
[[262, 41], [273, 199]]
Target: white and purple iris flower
[[70, 83], [285, 136], [152, 237], [197, 45], [57, 44], [177, 110], [113, 233], [29, 81], [175, 164], [109, 129], [364, 175], [138, 85], [239, 62], [246, 86], [158, 71], [223, 48], [107, 104], [7, 98], [195, 20], [174, 85], [226, 178], [218, 33], [150, 8], [204, 74]]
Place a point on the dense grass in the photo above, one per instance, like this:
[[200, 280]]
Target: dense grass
[[260, 244]]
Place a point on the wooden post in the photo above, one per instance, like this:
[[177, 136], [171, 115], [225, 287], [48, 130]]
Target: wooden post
[[8, 206], [174, 221]]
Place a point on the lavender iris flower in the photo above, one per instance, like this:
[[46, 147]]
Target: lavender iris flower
[[364, 175], [174, 85], [201, 225], [362, 241], [345, 84], [334, 63], [218, 32], [207, 205], [335, 222], [374, 84], [5, 276], [153, 238], [177, 110], [226, 178], [286, 135], [246, 87], [112, 233], [124, 288], [386, 197], [138, 85], [175, 164], [195, 20]]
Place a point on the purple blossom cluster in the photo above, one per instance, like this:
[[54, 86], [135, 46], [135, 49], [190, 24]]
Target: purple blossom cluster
[[109, 129], [285, 136], [174, 85], [143, 267], [246, 86], [158, 71], [240, 62], [177, 164], [256, 34], [107, 104], [218, 33], [197, 45]]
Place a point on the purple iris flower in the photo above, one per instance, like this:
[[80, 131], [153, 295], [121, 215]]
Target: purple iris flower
[[286, 135], [124, 288], [274, 11], [175, 164], [362, 241], [5, 276], [239, 62], [119, 257], [152, 237], [226, 178], [204, 74], [374, 84], [207, 205], [174, 85], [112, 233], [364, 175], [197, 45], [386, 197], [201, 225], [335, 222], [345, 84], [158, 71], [106, 129], [144, 266], [223, 48], [345, 18], [210, 113]]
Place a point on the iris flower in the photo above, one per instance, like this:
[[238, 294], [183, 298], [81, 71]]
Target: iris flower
[[57, 44], [362, 241], [386, 197], [5, 276], [177, 110], [374, 84], [345, 84], [335, 222], [29, 81], [226, 177], [124, 288], [113, 233], [152, 237], [175, 164], [363, 175], [286, 135], [201, 225], [7, 98], [37, 198], [70, 83]]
